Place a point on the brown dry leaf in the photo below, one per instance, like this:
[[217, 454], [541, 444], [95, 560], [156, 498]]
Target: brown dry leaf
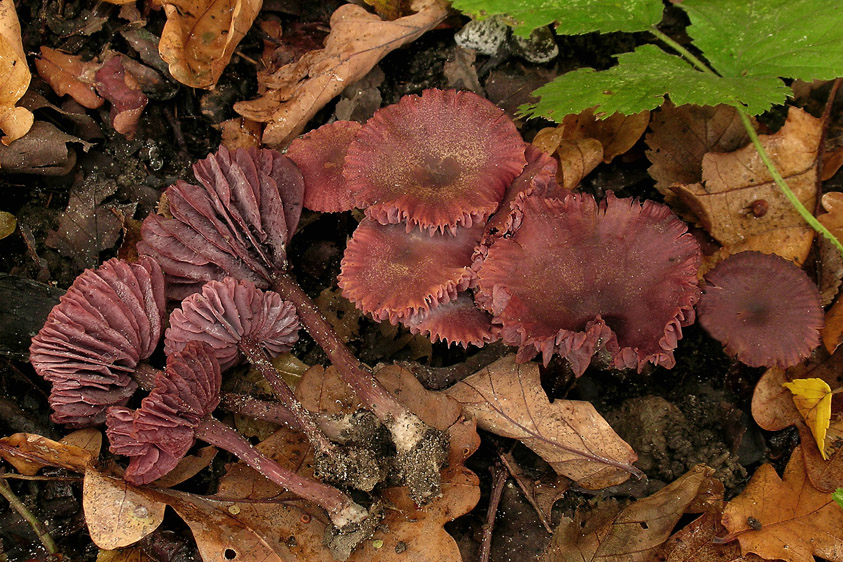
[[507, 399], [616, 133], [200, 36], [135, 554], [609, 533], [29, 453], [187, 468], [240, 132], [733, 182], [358, 40], [14, 76], [832, 333], [390, 9], [116, 513], [68, 75], [88, 225], [8, 224], [797, 521], [681, 136], [42, 151], [695, 543], [577, 158]]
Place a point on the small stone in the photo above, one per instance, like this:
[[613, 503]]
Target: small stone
[[484, 36], [540, 47]]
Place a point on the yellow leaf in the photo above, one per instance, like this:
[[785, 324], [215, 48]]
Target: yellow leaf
[[813, 400], [14, 76]]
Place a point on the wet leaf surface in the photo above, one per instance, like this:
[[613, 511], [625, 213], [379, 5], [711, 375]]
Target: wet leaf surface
[[14, 76]]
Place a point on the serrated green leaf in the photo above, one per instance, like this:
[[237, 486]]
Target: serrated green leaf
[[640, 81], [790, 38], [573, 17]]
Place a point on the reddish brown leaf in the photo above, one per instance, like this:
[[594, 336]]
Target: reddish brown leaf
[[123, 91], [68, 75]]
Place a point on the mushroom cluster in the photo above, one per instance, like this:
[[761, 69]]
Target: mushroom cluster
[[468, 237]]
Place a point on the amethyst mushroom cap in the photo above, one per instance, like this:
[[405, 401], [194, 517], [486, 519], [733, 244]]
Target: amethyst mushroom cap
[[762, 308], [440, 160], [110, 319], [575, 278]]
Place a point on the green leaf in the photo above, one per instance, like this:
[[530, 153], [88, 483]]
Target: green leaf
[[790, 38], [640, 81], [838, 496], [574, 17]]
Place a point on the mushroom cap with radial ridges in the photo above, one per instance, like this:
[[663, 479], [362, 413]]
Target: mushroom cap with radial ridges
[[159, 433], [109, 319], [457, 321], [440, 160], [763, 309], [575, 277], [228, 311], [390, 273]]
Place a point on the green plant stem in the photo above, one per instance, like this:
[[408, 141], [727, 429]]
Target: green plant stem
[[756, 142], [23, 511]]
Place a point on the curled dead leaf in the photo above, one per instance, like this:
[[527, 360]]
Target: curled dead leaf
[[740, 205], [14, 76], [610, 532], [358, 40], [68, 75], [200, 36], [29, 453], [507, 399]]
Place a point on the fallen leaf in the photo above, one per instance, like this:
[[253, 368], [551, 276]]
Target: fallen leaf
[[29, 453], [577, 158], [812, 398], [681, 136], [507, 399], [358, 40], [461, 72], [116, 513], [68, 75], [123, 91], [797, 521], [42, 151], [89, 439], [200, 36], [631, 534], [616, 133], [188, 467], [135, 554], [390, 9], [695, 543], [740, 205], [14, 76], [832, 332], [240, 132], [8, 224], [88, 225]]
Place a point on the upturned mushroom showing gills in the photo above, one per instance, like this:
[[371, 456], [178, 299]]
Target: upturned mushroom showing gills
[[437, 161], [109, 319], [762, 308], [237, 320], [178, 411], [238, 223], [578, 278]]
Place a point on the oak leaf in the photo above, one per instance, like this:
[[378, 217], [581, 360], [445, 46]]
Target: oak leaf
[[740, 205], [14, 76], [630, 534], [797, 521], [200, 36], [507, 399], [696, 543], [358, 40]]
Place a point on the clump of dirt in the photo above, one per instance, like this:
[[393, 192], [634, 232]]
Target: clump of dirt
[[668, 445]]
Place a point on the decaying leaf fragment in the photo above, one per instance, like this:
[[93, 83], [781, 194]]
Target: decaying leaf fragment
[[358, 40], [609, 533], [200, 36], [69, 75], [740, 205], [506, 398], [832, 333], [14, 76], [793, 521]]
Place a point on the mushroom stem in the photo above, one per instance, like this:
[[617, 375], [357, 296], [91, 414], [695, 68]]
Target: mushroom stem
[[259, 360], [406, 428], [342, 510]]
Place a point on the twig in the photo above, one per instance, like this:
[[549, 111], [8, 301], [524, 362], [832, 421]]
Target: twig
[[499, 478], [23, 511], [519, 479]]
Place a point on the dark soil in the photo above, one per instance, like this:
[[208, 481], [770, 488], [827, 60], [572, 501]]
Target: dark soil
[[696, 413]]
